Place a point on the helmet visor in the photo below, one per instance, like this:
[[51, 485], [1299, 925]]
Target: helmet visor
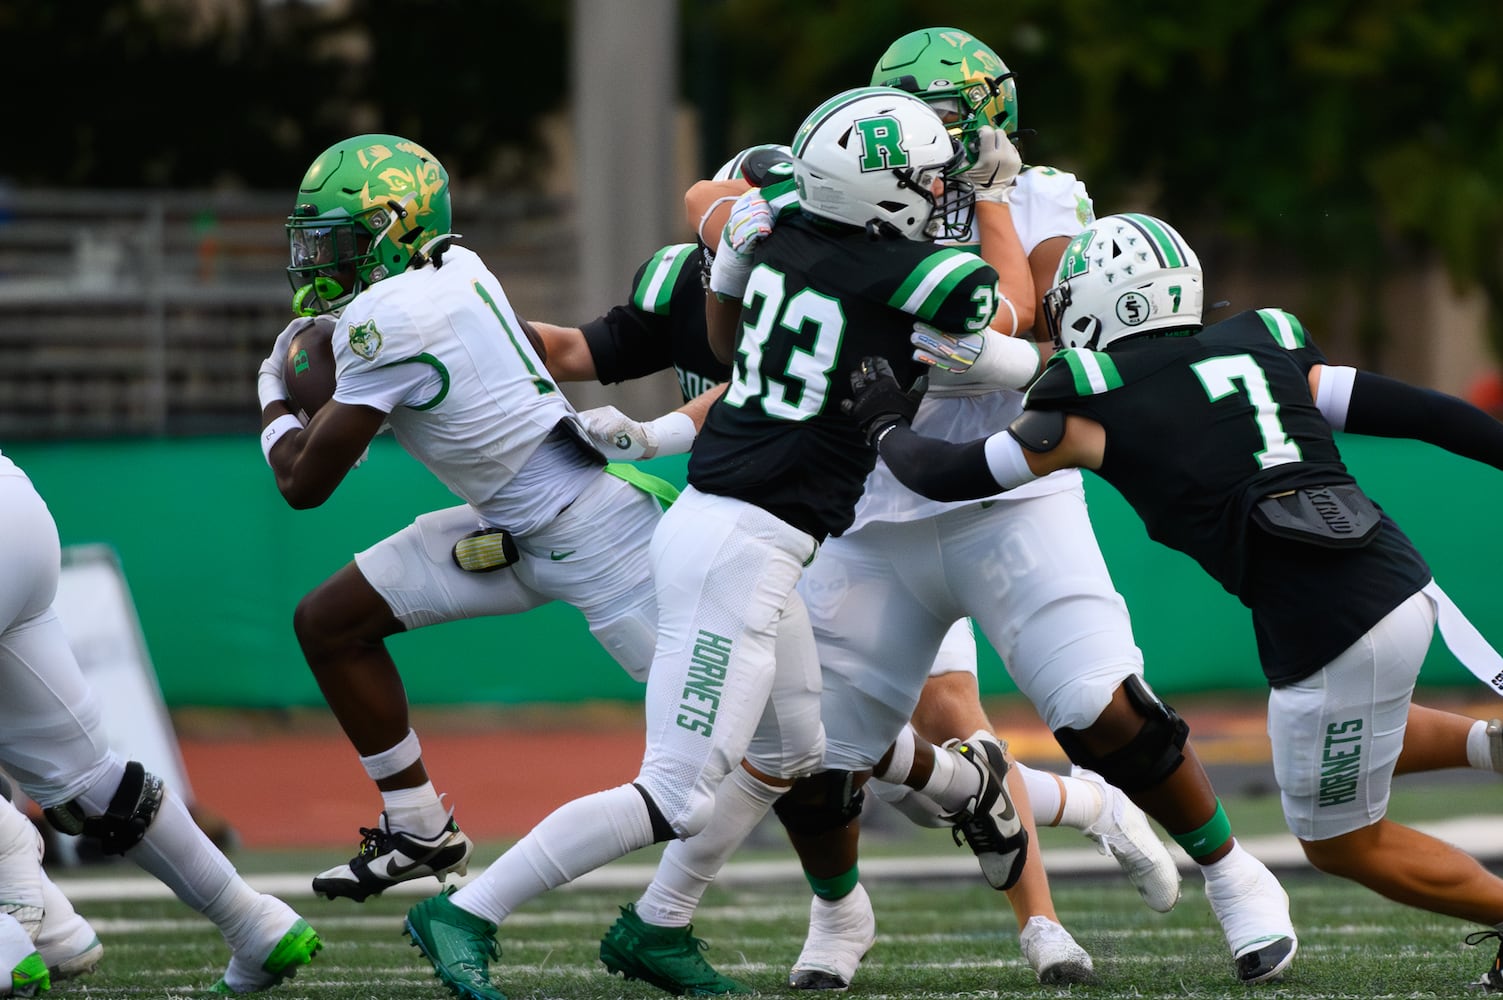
[[323, 255]]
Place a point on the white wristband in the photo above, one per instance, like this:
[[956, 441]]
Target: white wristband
[[729, 274], [272, 432], [1006, 361], [270, 388], [674, 433]]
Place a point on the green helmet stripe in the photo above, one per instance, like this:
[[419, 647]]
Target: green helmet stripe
[[1093, 371], [818, 115], [1286, 329], [658, 278], [926, 287], [1168, 249]]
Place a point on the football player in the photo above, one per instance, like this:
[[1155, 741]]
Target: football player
[[427, 345], [1220, 437], [54, 745], [1028, 569], [775, 470]]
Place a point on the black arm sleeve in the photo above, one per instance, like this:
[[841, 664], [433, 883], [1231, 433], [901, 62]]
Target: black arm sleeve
[[938, 469], [1385, 407]]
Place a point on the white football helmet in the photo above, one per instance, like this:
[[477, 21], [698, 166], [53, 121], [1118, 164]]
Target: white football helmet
[[1121, 276], [869, 157]]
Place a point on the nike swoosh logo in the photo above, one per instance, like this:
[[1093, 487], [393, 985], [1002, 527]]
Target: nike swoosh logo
[[556, 555]]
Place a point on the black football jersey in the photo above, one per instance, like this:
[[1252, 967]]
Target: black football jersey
[[820, 299], [1199, 429], [662, 326]]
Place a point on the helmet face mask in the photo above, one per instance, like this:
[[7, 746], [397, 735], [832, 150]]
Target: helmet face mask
[[1122, 276], [364, 208], [953, 71], [880, 159]]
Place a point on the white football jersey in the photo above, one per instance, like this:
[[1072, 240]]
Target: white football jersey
[[440, 350], [1044, 203]]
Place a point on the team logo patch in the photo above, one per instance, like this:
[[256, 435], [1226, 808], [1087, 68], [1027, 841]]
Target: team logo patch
[[1132, 309], [365, 340], [881, 143]]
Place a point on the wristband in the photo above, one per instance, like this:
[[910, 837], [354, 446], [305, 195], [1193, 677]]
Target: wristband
[[270, 388], [729, 274], [673, 432], [272, 432], [1006, 361]]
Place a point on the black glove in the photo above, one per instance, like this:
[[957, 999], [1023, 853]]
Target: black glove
[[877, 401]]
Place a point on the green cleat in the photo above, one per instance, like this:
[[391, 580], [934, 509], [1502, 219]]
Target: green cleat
[[252, 970], [460, 945], [667, 957], [30, 977]]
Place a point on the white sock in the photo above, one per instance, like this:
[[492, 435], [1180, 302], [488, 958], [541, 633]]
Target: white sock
[[1479, 752], [575, 838], [901, 765], [417, 810], [689, 866], [920, 809], [954, 782], [182, 858]]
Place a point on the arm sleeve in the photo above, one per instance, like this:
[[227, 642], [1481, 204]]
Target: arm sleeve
[[628, 343], [936, 469], [1386, 407]]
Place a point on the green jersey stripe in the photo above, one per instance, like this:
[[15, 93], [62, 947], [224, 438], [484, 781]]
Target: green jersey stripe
[[926, 288], [1286, 329], [781, 197], [1093, 371], [654, 291], [1166, 247]]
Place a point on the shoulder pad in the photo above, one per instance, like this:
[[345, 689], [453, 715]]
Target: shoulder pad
[[1285, 328], [1075, 373], [652, 288], [1038, 430]]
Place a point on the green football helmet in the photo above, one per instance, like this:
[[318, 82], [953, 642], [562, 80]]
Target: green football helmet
[[365, 209], [958, 75]]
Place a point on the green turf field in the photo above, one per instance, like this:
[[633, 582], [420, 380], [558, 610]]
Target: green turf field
[[943, 938], [935, 941]]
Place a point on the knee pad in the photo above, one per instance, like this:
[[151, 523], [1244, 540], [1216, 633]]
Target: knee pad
[[661, 829], [1150, 757], [124, 822], [820, 803]]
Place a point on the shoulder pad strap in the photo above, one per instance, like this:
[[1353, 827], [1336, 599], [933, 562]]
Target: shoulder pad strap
[[1038, 430]]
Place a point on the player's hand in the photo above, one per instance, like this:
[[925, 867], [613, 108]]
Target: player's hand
[[620, 437], [269, 384], [877, 401], [997, 165], [750, 220], [954, 353]]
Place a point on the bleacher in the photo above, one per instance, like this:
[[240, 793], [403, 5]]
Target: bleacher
[[147, 313]]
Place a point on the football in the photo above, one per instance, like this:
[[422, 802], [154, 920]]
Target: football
[[309, 369]]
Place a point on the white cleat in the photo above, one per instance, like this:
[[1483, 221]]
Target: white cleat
[[1253, 909], [67, 942], [1122, 832], [840, 934], [1053, 954]]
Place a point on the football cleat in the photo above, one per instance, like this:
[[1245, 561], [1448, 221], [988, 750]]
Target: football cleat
[[387, 857], [1254, 913], [666, 957], [1492, 979], [1053, 954], [459, 944], [288, 943], [841, 932], [989, 823], [66, 941], [28, 974], [1123, 833]]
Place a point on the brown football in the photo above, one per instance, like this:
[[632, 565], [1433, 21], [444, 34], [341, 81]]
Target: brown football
[[309, 370]]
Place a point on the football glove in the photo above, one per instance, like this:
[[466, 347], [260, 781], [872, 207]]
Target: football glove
[[269, 384], [877, 402], [997, 165], [750, 220]]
